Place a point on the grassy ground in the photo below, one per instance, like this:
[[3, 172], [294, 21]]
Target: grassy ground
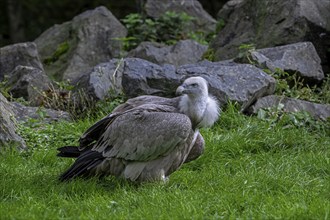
[[252, 168]]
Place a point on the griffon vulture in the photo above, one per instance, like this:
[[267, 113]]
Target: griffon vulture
[[147, 138]]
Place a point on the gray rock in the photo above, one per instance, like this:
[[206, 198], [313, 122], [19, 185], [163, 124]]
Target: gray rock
[[300, 58], [103, 81], [73, 48], [203, 21], [8, 135], [228, 81], [29, 83], [24, 54], [183, 52], [317, 111], [141, 77], [25, 113], [131, 76], [273, 23], [242, 83]]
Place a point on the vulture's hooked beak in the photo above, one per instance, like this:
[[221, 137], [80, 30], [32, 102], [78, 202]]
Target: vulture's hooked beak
[[180, 90]]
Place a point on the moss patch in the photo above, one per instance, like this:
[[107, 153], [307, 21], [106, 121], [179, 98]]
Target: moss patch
[[60, 50]]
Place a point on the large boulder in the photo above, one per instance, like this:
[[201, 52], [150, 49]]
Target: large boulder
[[73, 48], [11, 56], [299, 58], [273, 23], [103, 81], [131, 76], [242, 83], [29, 83], [203, 21], [141, 77], [317, 111], [183, 52], [8, 135]]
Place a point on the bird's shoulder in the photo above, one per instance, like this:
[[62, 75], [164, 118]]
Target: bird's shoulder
[[147, 99]]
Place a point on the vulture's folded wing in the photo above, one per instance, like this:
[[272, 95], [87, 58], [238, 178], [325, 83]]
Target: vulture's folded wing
[[142, 135], [96, 130]]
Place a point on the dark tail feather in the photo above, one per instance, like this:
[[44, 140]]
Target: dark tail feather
[[83, 166], [69, 151]]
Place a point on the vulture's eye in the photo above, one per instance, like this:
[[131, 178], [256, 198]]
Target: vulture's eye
[[194, 85]]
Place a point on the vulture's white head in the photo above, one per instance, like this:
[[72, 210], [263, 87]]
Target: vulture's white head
[[193, 87], [201, 108]]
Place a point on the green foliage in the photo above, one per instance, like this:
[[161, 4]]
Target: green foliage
[[220, 25], [139, 30], [277, 116], [64, 85], [209, 54], [244, 55], [173, 26], [200, 37], [168, 28], [323, 92], [251, 169], [293, 86], [4, 88], [60, 50], [105, 106]]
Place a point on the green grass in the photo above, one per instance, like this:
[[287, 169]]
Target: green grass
[[251, 169]]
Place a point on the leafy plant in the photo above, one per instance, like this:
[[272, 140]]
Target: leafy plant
[[324, 91], [139, 29], [244, 55], [209, 54], [200, 37], [277, 116], [168, 28], [173, 27], [220, 25], [4, 89], [291, 85]]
